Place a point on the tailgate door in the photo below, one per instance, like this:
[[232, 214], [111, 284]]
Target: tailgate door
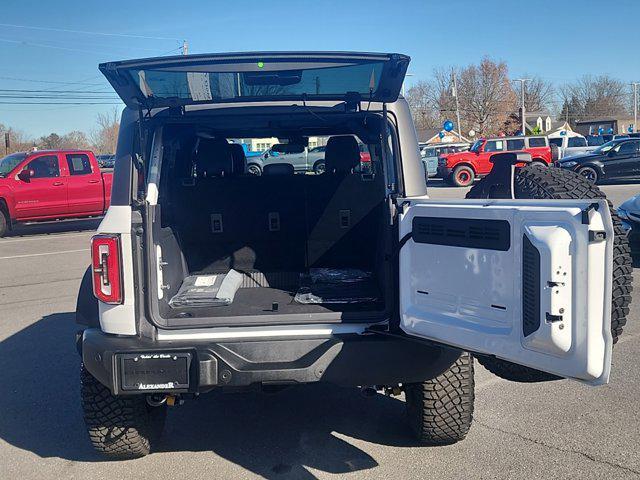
[[528, 281]]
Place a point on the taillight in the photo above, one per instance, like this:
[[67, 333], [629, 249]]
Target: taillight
[[107, 269]]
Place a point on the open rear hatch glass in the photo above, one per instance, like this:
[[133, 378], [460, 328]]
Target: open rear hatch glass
[[290, 76]]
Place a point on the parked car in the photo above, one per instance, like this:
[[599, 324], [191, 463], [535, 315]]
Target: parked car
[[461, 169], [50, 185], [615, 160], [431, 153], [106, 161], [570, 144], [302, 158], [206, 279], [629, 213]]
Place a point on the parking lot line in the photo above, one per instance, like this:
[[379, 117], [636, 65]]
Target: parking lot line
[[45, 253], [45, 237]]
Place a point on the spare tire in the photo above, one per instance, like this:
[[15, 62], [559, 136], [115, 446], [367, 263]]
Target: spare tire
[[554, 183]]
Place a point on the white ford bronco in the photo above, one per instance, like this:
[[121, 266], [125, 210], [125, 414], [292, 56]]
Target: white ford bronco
[[206, 277]]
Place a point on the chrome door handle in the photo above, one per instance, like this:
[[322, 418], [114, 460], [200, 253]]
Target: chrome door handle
[[93, 181], [57, 184]]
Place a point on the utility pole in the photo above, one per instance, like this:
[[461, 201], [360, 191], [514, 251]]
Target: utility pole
[[523, 112], [635, 105], [455, 94], [185, 47]]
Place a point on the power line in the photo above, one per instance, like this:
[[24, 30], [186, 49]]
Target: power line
[[17, 79], [44, 45], [84, 32]]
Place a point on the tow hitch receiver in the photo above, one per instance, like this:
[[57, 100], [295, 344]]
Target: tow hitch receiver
[[154, 372]]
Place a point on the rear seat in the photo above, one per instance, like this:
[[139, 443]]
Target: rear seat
[[242, 221], [279, 221], [343, 210]]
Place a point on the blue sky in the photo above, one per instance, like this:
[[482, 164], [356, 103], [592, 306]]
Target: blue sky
[[556, 40]]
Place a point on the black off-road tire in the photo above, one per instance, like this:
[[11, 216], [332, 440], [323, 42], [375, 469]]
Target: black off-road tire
[[4, 223], [440, 410], [555, 183], [119, 427]]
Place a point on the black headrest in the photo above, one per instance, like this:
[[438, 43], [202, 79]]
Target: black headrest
[[278, 169], [342, 154], [213, 158], [239, 159]]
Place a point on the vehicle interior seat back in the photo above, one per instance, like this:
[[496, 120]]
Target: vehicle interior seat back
[[344, 209], [239, 159]]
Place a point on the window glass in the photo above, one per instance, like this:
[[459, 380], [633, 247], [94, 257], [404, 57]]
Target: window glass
[[44, 167], [577, 142], [537, 142], [556, 141], [627, 148], [79, 164], [199, 85], [494, 146], [10, 162], [515, 144]]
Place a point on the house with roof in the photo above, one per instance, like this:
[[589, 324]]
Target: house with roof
[[432, 135], [540, 122]]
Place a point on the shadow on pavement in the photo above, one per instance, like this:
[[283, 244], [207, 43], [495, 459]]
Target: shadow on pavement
[[55, 227], [272, 435]]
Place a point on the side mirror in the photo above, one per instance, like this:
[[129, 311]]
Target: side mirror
[[26, 174]]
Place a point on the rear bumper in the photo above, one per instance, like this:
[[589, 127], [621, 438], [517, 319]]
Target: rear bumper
[[346, 360]]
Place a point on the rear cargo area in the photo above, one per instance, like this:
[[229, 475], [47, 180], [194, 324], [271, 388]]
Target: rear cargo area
[[233, 247]]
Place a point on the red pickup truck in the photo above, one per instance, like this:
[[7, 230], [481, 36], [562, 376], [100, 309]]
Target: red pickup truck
[[462, 168], [51, 185]]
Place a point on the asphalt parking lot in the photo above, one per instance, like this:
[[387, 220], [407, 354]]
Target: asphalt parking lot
[[553, 430]]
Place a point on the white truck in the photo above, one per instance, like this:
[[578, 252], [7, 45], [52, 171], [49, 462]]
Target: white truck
[[205, 277], [570, 143]]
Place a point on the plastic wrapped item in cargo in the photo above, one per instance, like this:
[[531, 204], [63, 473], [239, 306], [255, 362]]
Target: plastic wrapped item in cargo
[[337, 286], [207, 290], [337, 275]]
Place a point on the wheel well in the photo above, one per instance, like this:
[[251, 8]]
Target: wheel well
[[254, 163], [5, 209], [318, 161], [464, 165], [593, 167], [539, 160]]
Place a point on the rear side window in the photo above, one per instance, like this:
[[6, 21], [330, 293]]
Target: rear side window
[[79, 164], [44, 167], [537, 142], [494, 146], [577, 142], [516, 144], [557, 141], [628, 148]]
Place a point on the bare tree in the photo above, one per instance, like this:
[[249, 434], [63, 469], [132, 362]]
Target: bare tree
[[105, 137], [443, 97], [75, 139], [486, 96], [592, 97], [538, 94], [420, 100], [18, 140]]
